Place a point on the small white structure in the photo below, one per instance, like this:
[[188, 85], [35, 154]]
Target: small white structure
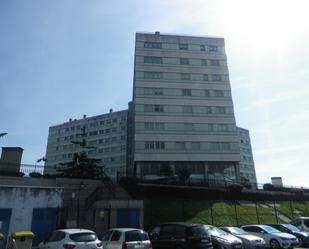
[[277, 181]]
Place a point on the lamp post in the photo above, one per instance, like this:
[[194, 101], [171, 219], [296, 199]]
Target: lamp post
[[80, 187]]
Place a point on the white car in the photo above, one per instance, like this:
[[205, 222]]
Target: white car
[[72, 239], [273, 237], [126, 238], [248, 240], [302, 223]]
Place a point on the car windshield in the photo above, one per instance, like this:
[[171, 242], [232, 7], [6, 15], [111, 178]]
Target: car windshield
[[236, 231], [291, 227], [270, 229], [136, 235], [198, 230], [83, 237], [216, 231]]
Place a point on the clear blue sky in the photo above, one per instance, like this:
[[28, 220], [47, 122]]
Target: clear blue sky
[[62, 59]]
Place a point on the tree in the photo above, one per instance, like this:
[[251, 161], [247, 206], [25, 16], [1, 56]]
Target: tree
[[183, 174], [82, 167], [245, 182], [165, 170]]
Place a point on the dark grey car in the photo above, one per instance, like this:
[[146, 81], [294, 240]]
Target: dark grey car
[[180, 235]]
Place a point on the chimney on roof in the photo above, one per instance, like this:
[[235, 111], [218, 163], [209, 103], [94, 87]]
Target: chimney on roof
[[110, 110], [70, 120], [157, 33], [85, 116]]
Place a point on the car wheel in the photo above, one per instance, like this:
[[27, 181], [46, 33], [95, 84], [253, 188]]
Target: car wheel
[[274, 244], [179, 247]]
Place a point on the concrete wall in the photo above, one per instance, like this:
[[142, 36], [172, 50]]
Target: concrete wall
[[22, 200]]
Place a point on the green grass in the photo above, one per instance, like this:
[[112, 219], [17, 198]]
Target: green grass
[[206, 212], [293, 209]]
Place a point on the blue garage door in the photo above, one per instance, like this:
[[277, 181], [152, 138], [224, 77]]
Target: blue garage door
[[44, 221], [5, 217], [128, 217]]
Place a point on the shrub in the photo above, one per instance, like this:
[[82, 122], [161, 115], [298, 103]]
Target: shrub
[[235, 188], [35, 174]]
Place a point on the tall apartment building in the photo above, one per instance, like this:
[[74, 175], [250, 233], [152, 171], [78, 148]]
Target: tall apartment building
[[106, 133], [182, 109], [246, 165]]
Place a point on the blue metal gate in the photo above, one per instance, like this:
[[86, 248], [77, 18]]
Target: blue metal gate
[[44, 221], [5, 217], [128, 217]]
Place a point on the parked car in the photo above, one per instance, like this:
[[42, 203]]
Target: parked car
[[126, 238], [273, 237], [302, 223], [249, 241], [302, 236], [223, 240], [180, 235], [72, 239]]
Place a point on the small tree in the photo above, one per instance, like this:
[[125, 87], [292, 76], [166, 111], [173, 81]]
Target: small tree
[[245, 182], [183, 174], [81, 167], [165, 170]]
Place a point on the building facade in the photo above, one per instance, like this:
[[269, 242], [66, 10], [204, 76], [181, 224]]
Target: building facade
[[246, 165], [182, 109], [105, 136]]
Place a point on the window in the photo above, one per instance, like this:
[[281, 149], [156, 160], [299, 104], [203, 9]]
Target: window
[[216, 77], [56, 236], [72, 128], [183, 46], [218, 93], [158, 108], [101, 131], [153, 75], [115, 120], [151, 126], [203, 48], [157, 145], [180, 146], [153, 59], [195, 145], [184, 61], [107, 140], [114, 129], [94, 124], [187, 109], [213, 48], [205, 77], [107, 235], [220, 110], [108, 121], [102, 122], [122, 138], [116, 236], [208, 109], [152, 45], [107, 130], [204, 62], [207, 93], [180, 231], [186, 92], [153, 91], [93, 133], [215, 63], [188, 127], [210, 127], [114, 139], [222, 127], [136, 235], [185, 76], [83, 237]]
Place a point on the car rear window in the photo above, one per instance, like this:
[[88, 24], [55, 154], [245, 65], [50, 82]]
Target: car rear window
[[136, 236], [198, 230], [306, 222], [83, 237]]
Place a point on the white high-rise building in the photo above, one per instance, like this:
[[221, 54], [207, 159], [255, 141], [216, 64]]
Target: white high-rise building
[[182, 110], [105, 136]]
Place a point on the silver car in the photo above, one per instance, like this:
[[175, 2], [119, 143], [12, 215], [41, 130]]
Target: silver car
[[249, 241], [126, 238], [223, 240]]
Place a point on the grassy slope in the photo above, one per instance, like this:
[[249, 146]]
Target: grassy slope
[[206, 212]]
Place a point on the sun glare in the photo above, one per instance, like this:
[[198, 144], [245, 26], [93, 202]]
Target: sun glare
[[265, 25]]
